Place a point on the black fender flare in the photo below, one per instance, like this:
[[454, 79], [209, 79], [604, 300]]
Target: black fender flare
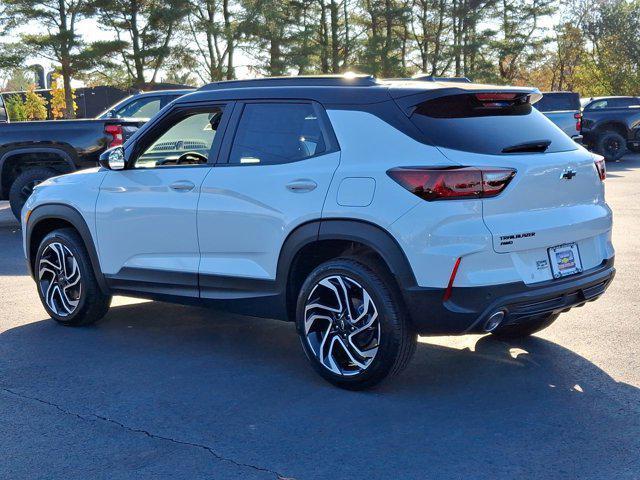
[[64, 155], [71, 215], [361, 231]]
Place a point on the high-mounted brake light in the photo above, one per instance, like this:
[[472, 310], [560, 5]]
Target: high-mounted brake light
[[495, 96], [452, 183], [601, 166], [117, 135]]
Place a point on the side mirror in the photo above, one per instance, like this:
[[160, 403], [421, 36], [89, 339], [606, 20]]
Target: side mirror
[[113, 159], [111, 114]]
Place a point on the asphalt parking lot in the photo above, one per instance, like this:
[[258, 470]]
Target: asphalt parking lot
[[164, 391]]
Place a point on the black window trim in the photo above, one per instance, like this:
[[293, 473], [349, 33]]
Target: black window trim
[[168, 118], [328, 135]]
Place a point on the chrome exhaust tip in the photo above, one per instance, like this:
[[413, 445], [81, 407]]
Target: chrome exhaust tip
[[494, 321]]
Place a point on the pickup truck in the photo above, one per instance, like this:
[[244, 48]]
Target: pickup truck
[[563, 109], [611, 125], [31, 152]]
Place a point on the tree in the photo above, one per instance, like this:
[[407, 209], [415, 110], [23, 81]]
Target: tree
[[59, 42], [15, 108], [58, 100], [18, 79], [613, 29], [386, 25], [266, 25], [35, 106], [144, 30], [520, 40], [212, 27]]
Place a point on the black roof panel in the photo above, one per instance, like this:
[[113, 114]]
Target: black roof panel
[[334, 89]]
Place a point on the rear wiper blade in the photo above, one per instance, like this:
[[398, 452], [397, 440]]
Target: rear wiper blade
[[537, 146]]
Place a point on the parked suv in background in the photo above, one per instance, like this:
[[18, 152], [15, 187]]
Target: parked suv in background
[[366, 211], [563, 109], [611, 125]]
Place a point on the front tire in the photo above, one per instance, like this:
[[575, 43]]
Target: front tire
[[23, 185], [526, 329], [352, 325], [66, 281]]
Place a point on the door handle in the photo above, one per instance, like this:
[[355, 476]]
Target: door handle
[[301, 186], [182, 186]]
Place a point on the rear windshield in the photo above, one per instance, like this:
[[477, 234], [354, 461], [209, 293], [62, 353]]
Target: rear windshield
[[463, 122], [554, 102]]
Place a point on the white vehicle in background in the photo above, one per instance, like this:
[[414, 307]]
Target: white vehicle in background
[[366, 211]]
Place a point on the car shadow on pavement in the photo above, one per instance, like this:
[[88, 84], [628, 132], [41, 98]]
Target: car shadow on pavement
[[625, 164], [480, 408]]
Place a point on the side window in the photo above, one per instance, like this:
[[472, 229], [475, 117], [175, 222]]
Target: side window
[[271, 133], [622, 102], [599, 105], [186, 141], [145, 107]]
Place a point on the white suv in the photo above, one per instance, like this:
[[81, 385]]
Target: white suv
[[366, 211]]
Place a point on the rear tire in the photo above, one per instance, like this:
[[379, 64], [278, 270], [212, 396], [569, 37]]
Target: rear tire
[[22, 187], [611, 145], [352, 325], [523, 330], [66, 281]]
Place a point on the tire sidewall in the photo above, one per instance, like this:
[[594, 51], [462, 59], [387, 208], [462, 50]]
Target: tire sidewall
[[68, 241], [388, 317], [15, 192], [608, 136]]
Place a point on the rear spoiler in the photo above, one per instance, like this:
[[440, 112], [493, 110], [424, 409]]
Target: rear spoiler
[[409, 101]]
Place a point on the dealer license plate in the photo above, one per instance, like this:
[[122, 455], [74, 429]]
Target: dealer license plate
[[565, 260]]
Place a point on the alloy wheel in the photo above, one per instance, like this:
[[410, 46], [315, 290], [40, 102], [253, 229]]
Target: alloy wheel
[[612, 146], [59, 278], [341, 325]]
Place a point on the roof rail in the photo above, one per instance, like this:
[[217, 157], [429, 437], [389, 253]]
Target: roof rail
[[350, 80], [431, 78]]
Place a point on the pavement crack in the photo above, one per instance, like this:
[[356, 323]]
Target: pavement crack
[[92, 416]]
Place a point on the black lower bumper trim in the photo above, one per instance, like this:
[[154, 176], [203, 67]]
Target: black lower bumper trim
[[469, 308]]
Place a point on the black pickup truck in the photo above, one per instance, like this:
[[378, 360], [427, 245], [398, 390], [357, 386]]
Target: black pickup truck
[[31, 152], [611, 125]]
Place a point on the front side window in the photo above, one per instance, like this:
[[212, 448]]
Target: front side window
[[185, 142], [272, 133], [613, 103]]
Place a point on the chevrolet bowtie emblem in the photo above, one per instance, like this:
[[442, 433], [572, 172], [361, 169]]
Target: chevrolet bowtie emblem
[[568, 174]]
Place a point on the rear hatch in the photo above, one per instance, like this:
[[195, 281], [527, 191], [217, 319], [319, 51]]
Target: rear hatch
[[556, 195]]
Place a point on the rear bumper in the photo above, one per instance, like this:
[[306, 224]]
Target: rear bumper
[[469, 308]]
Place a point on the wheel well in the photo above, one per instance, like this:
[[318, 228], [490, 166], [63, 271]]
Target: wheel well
[[318, 252], [41, 230], [20, 162], [616, 127]]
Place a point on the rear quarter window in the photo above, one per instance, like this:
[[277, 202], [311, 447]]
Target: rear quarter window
[[461, 122]]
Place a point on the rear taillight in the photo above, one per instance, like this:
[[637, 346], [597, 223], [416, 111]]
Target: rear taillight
[[601, 166], [452, 183], [117, 135], [578, 117]]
